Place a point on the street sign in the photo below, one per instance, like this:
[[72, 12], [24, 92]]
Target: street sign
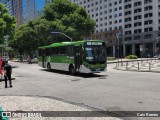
[[118, 34], [141, 48]]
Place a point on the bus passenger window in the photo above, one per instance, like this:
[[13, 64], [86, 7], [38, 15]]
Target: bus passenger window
[[62, 51], [70, 51]]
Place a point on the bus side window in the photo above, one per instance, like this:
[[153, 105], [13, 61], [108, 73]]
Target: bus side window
[[52, 51], [70, 51], [62, 50], [55, 51], [48, 52]]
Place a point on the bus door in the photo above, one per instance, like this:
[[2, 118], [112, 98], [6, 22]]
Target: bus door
[[78, 57], [44, 58]]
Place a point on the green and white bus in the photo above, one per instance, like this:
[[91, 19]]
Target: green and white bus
[[87, 56]]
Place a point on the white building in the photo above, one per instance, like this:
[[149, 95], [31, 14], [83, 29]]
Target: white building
[[141, 26], [109, 17], [139, 19], [108, 14]]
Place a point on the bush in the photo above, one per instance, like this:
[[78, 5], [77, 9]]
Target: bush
[[131, 57], [111, 58]]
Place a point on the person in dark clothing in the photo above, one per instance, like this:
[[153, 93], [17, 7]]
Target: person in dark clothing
[[7, 74]]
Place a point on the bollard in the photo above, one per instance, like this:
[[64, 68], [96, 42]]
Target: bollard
[[151, 59], [126, 65], [138, 65], [149, 66], [121, 63], [141, 61]]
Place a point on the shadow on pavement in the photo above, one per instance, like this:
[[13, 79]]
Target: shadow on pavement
[[2, 79], [84, 75], [15, 67]]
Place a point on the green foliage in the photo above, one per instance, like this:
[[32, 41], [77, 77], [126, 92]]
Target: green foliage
[[131, 57], [70, 18], [60, 15], [111, 58], [7, 23], [32, 35]]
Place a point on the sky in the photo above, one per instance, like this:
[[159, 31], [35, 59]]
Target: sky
[[40, 4]]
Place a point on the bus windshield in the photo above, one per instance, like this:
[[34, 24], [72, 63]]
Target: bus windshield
[[95, 54]]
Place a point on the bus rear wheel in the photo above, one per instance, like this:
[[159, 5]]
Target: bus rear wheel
[[71, 70], [49, 67]]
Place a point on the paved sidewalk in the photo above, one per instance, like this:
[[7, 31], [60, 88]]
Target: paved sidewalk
[[24, 103], [147, 65]]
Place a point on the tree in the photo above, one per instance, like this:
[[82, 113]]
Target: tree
[[61, 15], [69, 18], [30, 36], [25, 40], [7, 23]]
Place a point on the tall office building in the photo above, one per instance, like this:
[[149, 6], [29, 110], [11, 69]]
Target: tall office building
[[141, 27], [29, 10], [32, 9], [8, 4], [17, 12], [139, 20], [108, 15], [48, 1]]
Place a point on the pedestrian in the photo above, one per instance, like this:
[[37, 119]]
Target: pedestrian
[[7, 74]]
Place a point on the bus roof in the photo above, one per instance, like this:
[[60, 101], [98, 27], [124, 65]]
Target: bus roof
[[68, 43]]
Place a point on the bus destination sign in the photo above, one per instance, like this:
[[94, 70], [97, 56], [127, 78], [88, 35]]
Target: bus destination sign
[[94, 43]]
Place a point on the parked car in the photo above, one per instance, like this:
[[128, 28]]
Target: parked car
[[158, 57], [34, 60]]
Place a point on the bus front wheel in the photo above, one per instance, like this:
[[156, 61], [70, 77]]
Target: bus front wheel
[[71, 70], [49, 67]]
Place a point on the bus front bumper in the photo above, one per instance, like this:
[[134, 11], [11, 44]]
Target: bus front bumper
[[87, 70]]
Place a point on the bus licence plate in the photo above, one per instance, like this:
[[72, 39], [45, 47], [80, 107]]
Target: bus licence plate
[[97, 69]]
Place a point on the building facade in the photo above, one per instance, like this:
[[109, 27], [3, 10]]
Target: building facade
[[48, 1], [109, 17], [17, 12], [32, 9], [137, 20], [8, 4], [141, 27]]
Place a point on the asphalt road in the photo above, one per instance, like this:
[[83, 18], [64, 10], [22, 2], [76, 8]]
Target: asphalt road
[[112, 90]]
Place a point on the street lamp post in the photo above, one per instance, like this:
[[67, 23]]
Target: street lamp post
[[118, 35], [62, 34]]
